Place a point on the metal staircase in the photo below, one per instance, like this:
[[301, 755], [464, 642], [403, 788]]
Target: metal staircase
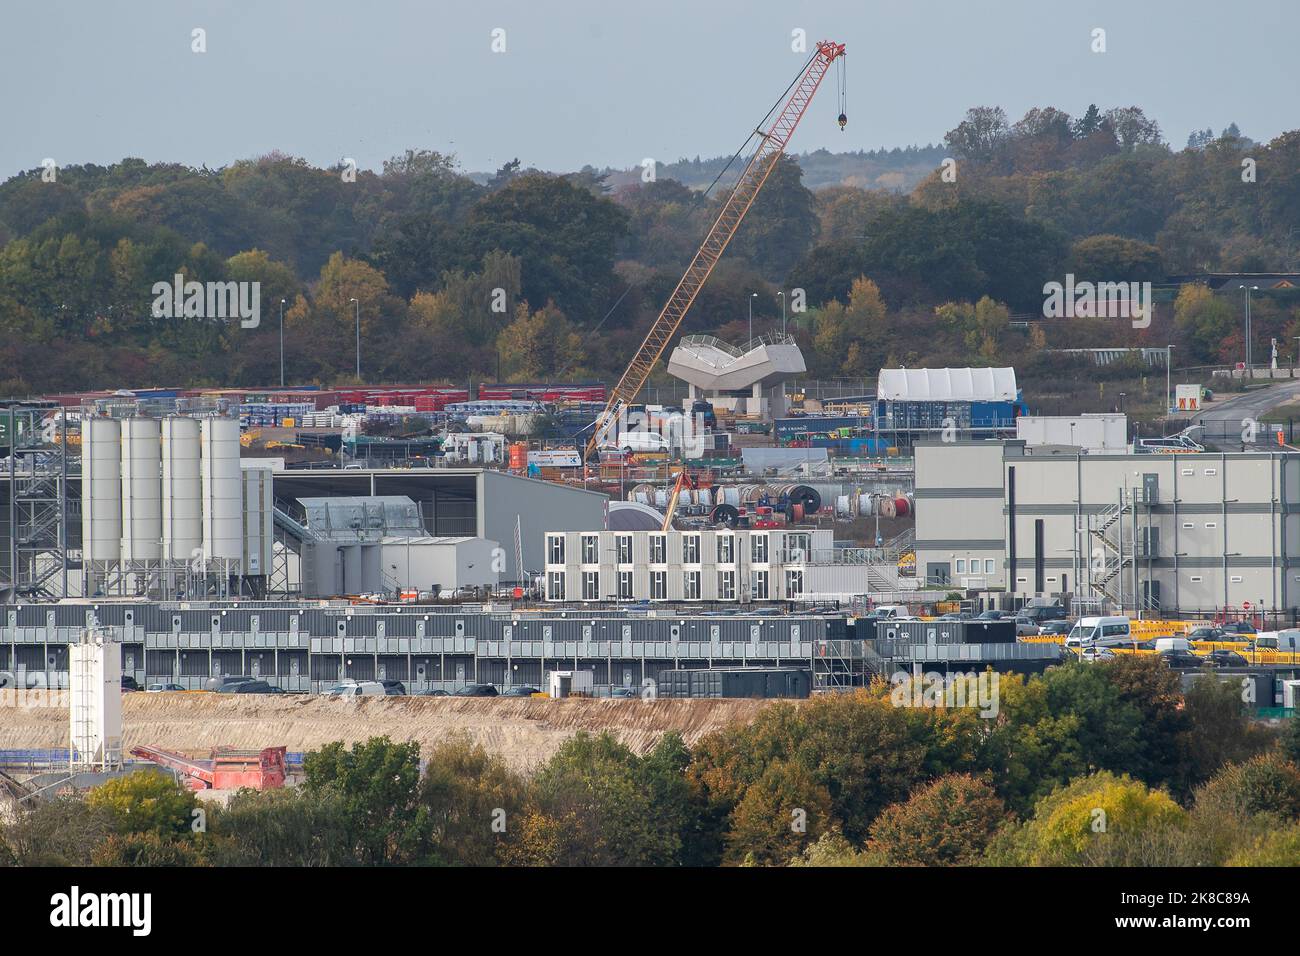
[[1112, 549]]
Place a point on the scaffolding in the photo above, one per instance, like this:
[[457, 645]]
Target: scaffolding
[[35, 439]]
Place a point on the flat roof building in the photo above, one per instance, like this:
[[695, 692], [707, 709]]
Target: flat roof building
[[1187, 533]]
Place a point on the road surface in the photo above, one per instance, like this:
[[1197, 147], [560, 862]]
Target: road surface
[[1224, 421]]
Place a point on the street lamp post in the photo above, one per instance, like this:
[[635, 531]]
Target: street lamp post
[[782, 295], [282, 343], [1247, 290], [358, 305], [1169, 394]]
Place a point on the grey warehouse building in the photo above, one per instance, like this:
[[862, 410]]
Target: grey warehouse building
[[310, 648], [1190, 533]]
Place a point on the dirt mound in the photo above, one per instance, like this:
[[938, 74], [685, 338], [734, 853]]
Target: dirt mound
[[525, 732]]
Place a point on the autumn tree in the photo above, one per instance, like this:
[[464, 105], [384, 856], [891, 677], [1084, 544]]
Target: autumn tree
[[948, 822], [539, 345]]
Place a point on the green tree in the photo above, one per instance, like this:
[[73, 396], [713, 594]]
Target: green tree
[[781, 225], [472, 800], [565, 237], [781, 813], [377, 783], [540, 345], [948, 822], [146, 802], [1097, 819]]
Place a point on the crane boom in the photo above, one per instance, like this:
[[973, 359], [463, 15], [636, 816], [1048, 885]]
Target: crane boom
[[771, 145]]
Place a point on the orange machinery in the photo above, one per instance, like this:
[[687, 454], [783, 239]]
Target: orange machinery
[[227, 769]]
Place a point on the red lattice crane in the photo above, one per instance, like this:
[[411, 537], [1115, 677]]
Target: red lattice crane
[[772, 143]]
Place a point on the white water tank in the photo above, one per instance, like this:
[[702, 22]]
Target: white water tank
[[182, 489], [141, 490], [101, 490], [223, 513]]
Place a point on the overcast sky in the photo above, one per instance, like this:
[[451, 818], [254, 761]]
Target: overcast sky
[[604, 83]]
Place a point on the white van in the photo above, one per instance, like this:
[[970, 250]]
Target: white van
[[1100, 632], [1166, 644], [359, 688], [642, 442], [1285, 640]]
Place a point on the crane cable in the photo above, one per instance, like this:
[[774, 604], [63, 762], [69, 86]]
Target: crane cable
[[844, 94], [779, 100]]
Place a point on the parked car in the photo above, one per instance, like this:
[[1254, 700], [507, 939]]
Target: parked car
[[1239, 627], [434, 692], [1180, 658], [1025, 627], [477, 690], [1039, 613], [624, 693], [1213, 634], [990, 615], [520, 691], [227, 681], [1226, 658], [159, 688], [1058, 627], [1097, 654], [359, 688], [250, 687], [129, 682], [394, 688]]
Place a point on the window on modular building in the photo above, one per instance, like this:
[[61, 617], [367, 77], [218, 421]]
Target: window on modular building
[[758, 585], [591, 585], [659, 585], [988, 565], [726, 585], [625, 585], [590, 549], [793, 583], [555, 549], [691, 585], [726, 549], [555, 585], [658, 549], [797, 546], [690, 549], [961, 565], [624, 549], [758, 548]]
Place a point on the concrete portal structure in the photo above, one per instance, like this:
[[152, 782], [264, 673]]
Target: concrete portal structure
[[744, 379], [1190, 533]]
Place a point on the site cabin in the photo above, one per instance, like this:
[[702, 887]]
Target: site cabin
[[1101, 631], [570, 683]]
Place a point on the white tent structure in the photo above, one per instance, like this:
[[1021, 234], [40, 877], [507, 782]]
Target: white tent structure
[[947, 385]]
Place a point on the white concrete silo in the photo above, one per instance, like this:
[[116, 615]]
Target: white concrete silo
[[101, 497], [142, 526], [95, 701], [182, 491], [223, 513]]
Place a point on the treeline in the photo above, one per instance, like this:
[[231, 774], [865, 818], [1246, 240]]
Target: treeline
[[546, 276], [1107, 764]]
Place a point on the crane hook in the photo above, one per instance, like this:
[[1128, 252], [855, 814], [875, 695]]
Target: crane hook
[[843, 121]]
